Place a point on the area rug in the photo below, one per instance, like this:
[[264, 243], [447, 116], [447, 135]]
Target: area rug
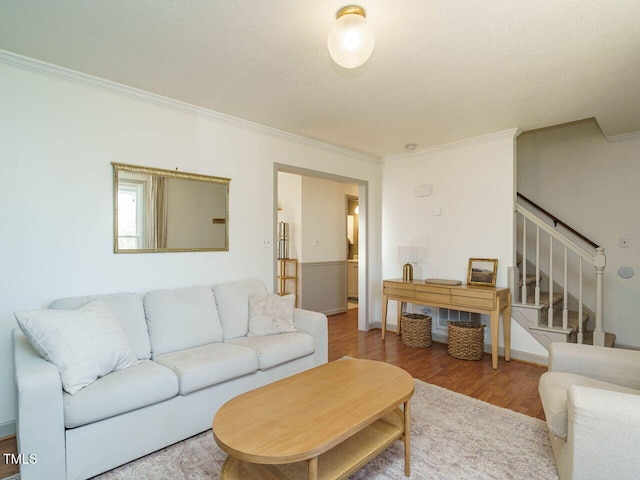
[[452, 437]]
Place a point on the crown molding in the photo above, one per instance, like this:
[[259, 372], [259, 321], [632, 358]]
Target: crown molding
[[73, 76], [511, 133], [624, 136]]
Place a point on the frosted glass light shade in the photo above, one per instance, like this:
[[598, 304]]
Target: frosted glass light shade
[[351, 39], [408, 254]]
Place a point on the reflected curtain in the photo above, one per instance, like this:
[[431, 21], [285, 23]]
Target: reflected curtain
[[157, 201]]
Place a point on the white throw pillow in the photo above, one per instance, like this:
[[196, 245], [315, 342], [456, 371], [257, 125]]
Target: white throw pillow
[[84, 344], [270, 314]]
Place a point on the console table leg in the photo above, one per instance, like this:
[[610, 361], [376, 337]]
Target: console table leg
[[385, 304], [407, 438], [495, 334], [313, 468], [506, 321]]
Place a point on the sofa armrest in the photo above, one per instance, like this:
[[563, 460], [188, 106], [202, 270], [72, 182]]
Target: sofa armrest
[[613, 365], [315, 324], [40, 417], [604, 427]]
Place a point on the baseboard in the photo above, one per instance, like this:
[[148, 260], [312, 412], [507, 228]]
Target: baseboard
[[335, 311], [7, 429]]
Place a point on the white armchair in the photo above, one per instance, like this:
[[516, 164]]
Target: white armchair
[[591, 400]]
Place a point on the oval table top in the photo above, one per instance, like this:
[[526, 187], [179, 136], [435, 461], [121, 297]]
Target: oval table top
[[305, 415]]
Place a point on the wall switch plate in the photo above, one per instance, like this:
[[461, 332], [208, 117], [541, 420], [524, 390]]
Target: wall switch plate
[[437, 211], [624, 242], [266, 243], [316, 242]]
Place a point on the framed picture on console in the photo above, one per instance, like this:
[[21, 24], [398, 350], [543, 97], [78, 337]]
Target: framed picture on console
[[482, 271]]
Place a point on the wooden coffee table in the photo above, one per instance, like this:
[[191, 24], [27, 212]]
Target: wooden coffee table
[[324, 423]]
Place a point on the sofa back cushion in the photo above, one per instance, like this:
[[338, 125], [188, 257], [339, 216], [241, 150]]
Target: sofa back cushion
[[181, 318], [233, 305], [127, 308]]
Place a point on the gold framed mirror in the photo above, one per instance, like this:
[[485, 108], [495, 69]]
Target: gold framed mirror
[[156, 210]]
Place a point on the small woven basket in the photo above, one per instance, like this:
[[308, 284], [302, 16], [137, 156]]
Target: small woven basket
[[415, 330], [466, 340]]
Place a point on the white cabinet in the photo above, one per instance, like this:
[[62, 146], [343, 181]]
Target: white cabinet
[[352, 279]]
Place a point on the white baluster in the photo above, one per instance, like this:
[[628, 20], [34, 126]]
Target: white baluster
[[524, 260], [565, 300], [580, 333], [550, 310], [537, 265]]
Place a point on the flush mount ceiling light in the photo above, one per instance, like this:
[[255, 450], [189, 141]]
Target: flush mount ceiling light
[[351, 38]]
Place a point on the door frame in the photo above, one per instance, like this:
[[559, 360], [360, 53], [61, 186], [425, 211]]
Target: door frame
[[363, 232]]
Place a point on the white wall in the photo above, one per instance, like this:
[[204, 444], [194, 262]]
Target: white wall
[[57, 139], [574, 172], [473, 188], [324, 219]]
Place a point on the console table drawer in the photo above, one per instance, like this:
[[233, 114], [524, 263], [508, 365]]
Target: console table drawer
[[433, 297], [397, 289], [474, 298]]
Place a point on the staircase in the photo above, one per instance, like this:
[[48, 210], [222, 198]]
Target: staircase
[[558, 297]]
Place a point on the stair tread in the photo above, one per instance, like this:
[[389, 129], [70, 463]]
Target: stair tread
[[572, 318], [531, 279], [544, 298]]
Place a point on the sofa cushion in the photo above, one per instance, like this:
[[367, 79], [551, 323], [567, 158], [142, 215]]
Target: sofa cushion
[[85, 343], [207, 365], [233, 305], [554, 388], [274, 350], [271, 314], [119, 392], [127, 307], [181, 318]]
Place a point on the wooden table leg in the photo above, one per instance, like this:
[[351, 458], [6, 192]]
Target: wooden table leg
[[399, 317], [407, 438], [495, 331], [385, 304], [313, 468], [506, 325]]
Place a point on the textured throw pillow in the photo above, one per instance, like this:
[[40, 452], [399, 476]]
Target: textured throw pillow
[[84, 344], [270, 314]]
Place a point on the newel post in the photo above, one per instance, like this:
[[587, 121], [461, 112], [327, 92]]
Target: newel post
[[599, 262]]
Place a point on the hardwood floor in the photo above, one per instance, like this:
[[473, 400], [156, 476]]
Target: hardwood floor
[[514, 385], [8, 445]]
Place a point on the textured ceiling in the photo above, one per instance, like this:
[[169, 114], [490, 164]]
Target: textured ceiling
[[441, 71]]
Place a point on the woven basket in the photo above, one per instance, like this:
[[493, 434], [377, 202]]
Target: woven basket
[[466, 340], [415, 330]]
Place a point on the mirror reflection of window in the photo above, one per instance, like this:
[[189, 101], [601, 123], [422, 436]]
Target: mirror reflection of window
[[130, 215]]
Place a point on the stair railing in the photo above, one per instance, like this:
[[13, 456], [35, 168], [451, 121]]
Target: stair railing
[[597, 260]]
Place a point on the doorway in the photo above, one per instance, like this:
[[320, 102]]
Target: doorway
[[353, 211], [323, 275]]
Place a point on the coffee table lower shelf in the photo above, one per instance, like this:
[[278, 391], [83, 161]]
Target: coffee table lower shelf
[[338, 463]]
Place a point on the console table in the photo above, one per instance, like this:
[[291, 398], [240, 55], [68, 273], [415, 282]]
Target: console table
[[467, 298]]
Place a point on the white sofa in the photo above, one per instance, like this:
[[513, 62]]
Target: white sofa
[[194, 356], [591, 400]]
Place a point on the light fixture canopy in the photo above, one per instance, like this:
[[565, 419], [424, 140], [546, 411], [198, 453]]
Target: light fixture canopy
[[351, 39]]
